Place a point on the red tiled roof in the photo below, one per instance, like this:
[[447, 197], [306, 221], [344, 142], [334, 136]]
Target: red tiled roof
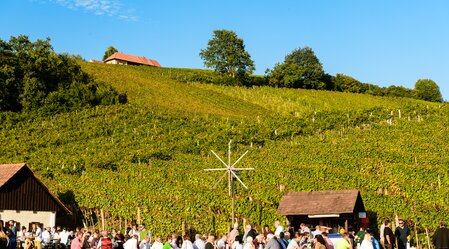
[[7, 171], [132, 58], [321, 202]]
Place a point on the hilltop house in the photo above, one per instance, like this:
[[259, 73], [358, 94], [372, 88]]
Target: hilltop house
[[25, 199], [126, 59]]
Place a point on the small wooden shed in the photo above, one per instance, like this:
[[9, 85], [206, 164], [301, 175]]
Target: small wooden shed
[[25, 199], [333, 208]]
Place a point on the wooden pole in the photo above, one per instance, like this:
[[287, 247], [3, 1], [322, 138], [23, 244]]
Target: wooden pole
[[183, 225], [120, 223], [346, 225], [428, 239], [102, 219], [138, 215], [416, 234], [233, 201], [439, 182]]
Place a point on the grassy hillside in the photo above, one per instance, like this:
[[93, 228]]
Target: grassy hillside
[[151, 152]]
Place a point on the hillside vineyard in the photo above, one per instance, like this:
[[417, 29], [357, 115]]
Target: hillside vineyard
[[149, 154]]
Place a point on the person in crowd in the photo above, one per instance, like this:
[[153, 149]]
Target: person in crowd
[[359, 237], [317, 231], [64, 237], [249, 231], [249, 243], [143, 232], [304, 228], [402, 234], [119, 239], [319, 242], [266, 231], [167, 244], [70, 237], [381, 232], [133, 231], [178, 241], [199, 242], [259, 242], [94, 239], [343, 242], [24, 234], [210, 244], [221, 243], [440, 238], [46, 235], [294, 242], [3, 237], [287, 237], [238, 243], [157, 243], [281, 241], [375, 242], [186, 243], [234, 232], [389, 240], [132, 243], [278, 228], [271, 242], [366, 243], [329, 244], [13, 235], [105, 242], [86, 243], [145, 243], [77, 242]]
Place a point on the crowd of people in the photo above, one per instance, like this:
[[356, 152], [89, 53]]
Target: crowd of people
[[138, 237]]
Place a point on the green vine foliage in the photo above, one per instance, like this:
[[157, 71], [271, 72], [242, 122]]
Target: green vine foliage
[[151, 153]]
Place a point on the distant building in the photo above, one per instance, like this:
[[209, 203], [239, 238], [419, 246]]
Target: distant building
[[25, 199], [96, 61], [126, 59]]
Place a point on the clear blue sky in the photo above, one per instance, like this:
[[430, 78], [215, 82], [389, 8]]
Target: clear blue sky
[[382, 42]]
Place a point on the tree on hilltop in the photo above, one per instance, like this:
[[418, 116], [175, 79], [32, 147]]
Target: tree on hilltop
[[109, 51], [226, 53], [427, 89], [300, 69]]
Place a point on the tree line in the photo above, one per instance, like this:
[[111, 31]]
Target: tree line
[[226, 54], [33, 77]]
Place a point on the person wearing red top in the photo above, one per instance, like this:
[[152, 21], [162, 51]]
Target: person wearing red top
[[105, 242]]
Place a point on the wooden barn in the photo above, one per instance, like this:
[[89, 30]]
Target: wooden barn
[[335, 208], [25, 199]]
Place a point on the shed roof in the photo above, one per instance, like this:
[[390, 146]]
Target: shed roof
[[321, 202], [132, 58], [7, 177]]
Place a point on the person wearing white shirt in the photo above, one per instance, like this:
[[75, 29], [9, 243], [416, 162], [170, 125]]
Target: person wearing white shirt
[[199, 243], [131, 243], [145, 243], [157, 243], [221, 243], [279, 228], [46, 235], [186, 243], [64, 236]]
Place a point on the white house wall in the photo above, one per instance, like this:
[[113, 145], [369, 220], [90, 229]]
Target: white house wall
[[47, 218]]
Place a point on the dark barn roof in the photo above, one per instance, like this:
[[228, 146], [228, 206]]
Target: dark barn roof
[[321, 202], [20, 189]]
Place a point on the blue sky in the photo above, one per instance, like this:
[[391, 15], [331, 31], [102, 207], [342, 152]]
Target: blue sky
[[381, 42]]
